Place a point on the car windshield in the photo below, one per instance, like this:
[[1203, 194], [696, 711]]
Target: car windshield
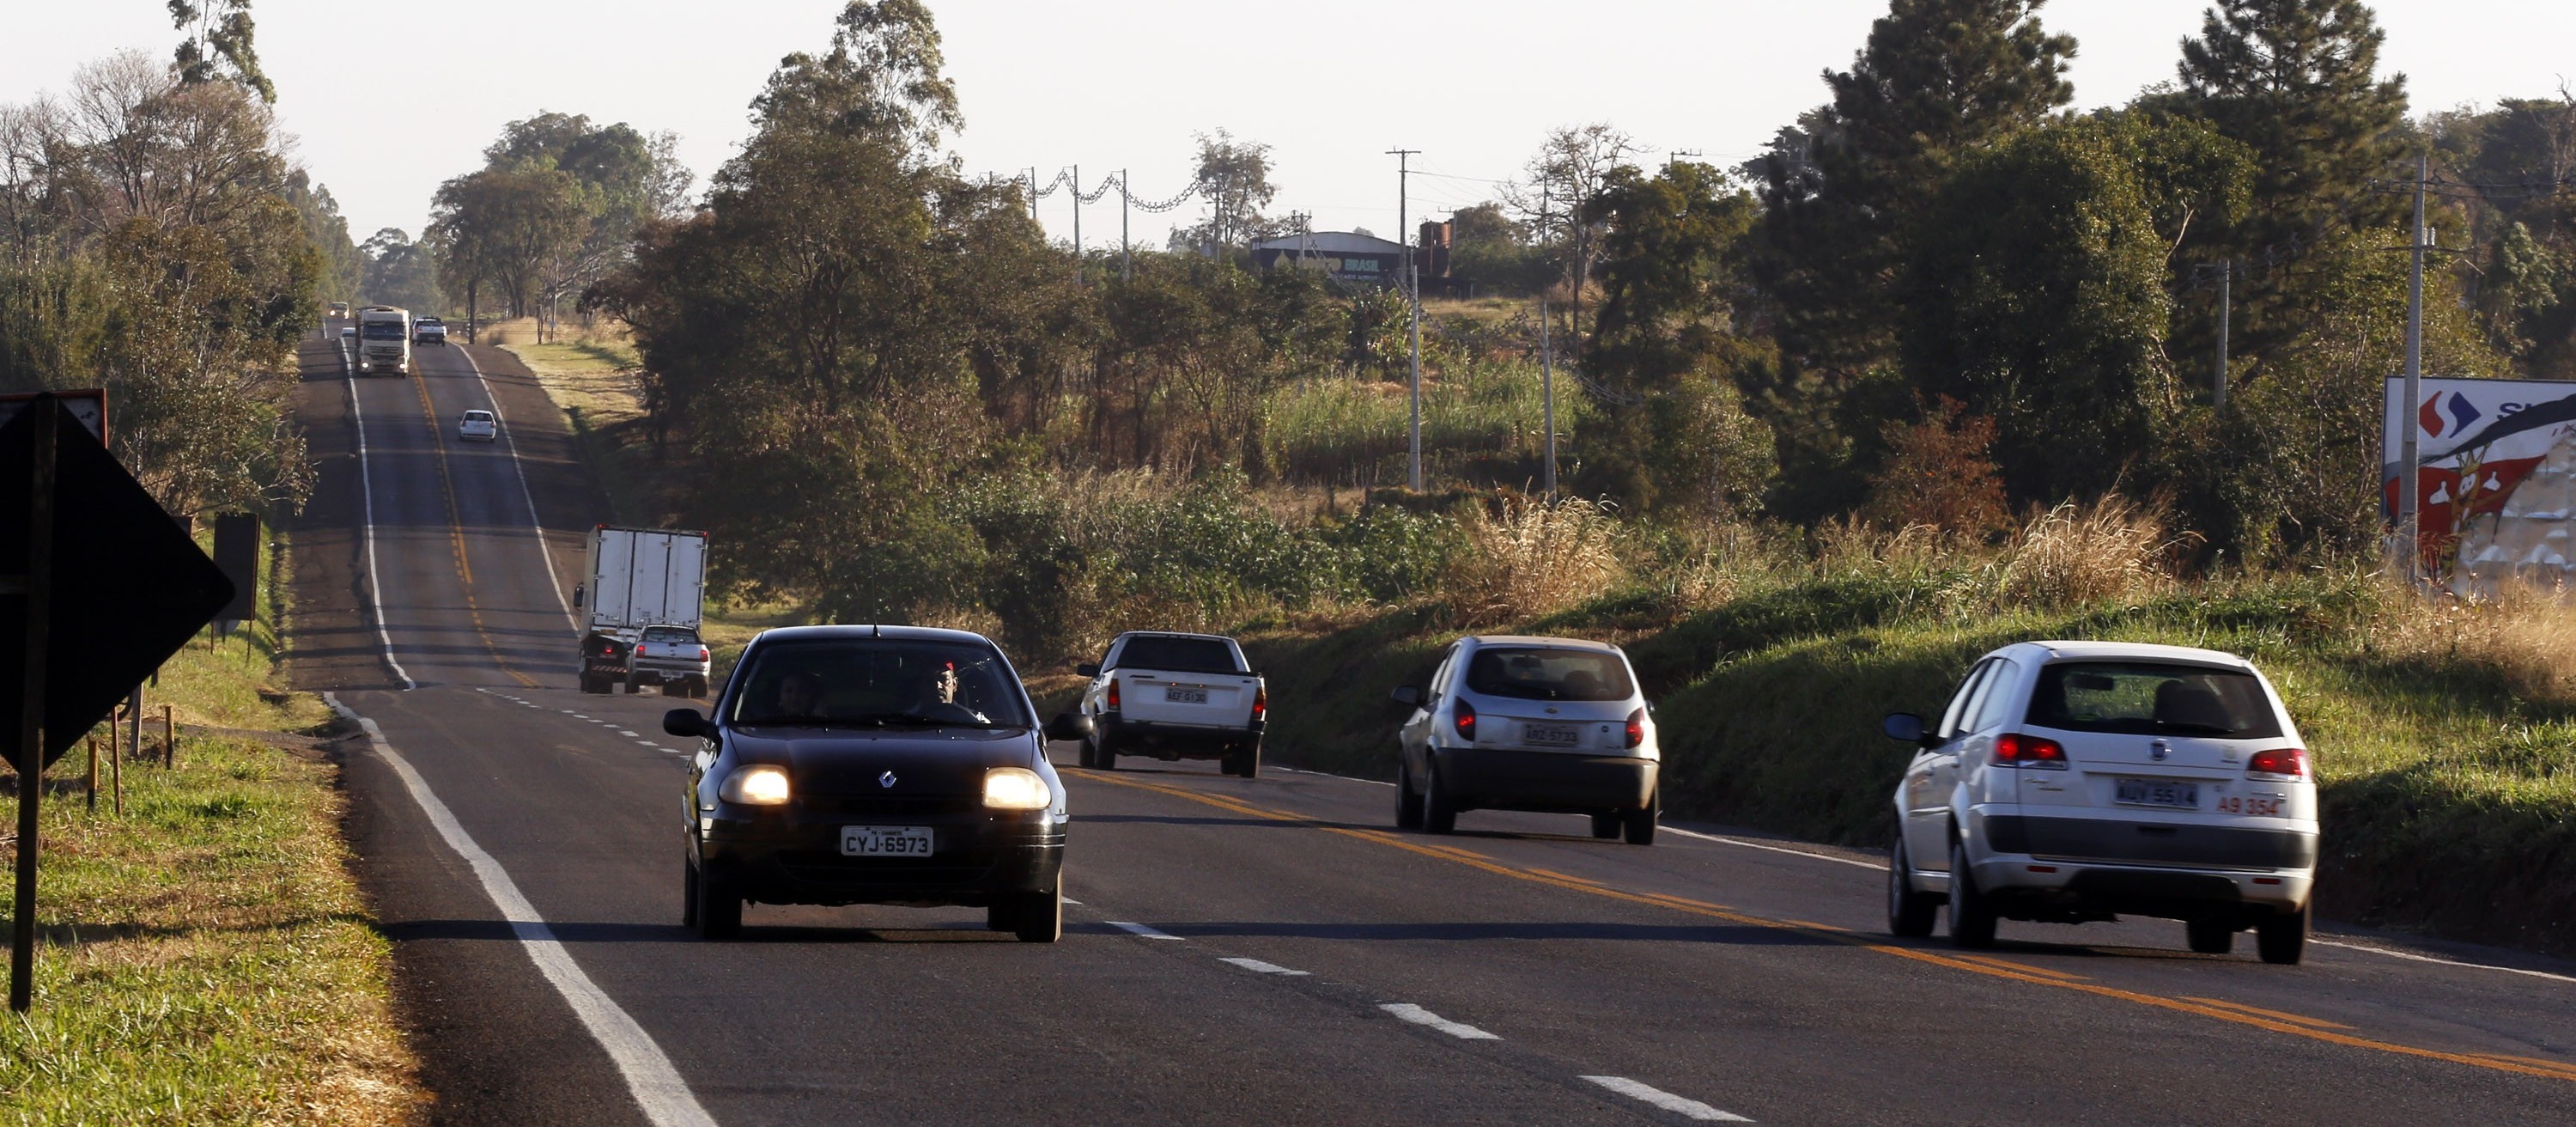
[[2153, 698], [1532, 673], [1179, 655], [878, 682], [381, 330]]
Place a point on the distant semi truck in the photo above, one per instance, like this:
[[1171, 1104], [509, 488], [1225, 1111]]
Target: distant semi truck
[[384, 340], [641, 600]]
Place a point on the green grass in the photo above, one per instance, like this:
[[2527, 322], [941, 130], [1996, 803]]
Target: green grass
[[206, 956], [589, 379], [1482, 422], [2449, 803]]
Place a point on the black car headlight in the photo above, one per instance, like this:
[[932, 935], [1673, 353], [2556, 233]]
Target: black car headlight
[[1015, 788], [759, 784]]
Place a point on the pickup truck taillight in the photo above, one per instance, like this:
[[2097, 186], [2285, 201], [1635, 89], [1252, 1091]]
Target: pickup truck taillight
[[702, 653], [1112, 703], [1260, 704]]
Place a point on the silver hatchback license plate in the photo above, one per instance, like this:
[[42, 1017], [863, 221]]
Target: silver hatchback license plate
[[1551, 735], [885, 841], [2157, 792], [1178, 695]]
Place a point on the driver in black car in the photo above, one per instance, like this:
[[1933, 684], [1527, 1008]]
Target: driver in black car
[[938, 699]]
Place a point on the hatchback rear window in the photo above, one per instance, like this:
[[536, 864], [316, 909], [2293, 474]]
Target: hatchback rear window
[[1530, 673], [1179, 655], [2152, 698]]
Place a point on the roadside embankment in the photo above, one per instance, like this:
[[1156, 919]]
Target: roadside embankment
[[2446, 756], [205, 955]]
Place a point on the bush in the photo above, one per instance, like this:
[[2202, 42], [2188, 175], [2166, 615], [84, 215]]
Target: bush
[[1531, 559]]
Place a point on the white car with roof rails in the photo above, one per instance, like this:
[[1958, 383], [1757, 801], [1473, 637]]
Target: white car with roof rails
[[1555, 725], [2070, 782]]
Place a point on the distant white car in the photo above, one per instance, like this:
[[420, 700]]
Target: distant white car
[[348, 332], [428, 330], [1517, 723], [2070, 781], [478, 426]]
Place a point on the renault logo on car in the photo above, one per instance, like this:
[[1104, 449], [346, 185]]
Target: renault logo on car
[[887, 779]]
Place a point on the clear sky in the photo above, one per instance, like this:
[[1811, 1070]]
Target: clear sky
[[389, 98]]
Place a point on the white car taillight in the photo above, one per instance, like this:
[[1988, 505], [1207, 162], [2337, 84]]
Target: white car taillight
[[2279, 763]]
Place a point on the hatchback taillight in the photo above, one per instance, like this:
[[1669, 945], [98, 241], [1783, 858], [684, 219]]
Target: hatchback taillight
[[2012, 749], [1462, 716], [1112, 703], [1637, 728], [2284, 763], [1261, 704]]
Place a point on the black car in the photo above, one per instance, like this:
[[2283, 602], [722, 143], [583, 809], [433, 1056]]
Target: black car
[[873, 765]]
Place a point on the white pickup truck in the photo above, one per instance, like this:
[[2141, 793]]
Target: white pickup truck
[[428, 330], [1175, 696]]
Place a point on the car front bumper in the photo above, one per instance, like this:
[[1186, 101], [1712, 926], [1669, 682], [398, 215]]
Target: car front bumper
[[1555, 781], [793, 856]]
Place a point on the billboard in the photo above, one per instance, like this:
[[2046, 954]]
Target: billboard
[[2477, 441]]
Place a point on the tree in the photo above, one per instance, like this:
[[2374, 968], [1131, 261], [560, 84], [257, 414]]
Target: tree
[[2037, 294], [343, 268], [1571, 167], [1940, 473], [1234, 178], [222, 31], [881, 78], [507, 227], [1842, 189], [400, 272], [2296, 81]]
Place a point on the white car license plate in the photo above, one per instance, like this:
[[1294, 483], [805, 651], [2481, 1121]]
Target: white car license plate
[[2157, 792], [885, 841], [1178, 695], [1551, 735]]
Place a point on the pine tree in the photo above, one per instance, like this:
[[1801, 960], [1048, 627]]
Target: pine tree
[[1936, 76], [2296, 81]]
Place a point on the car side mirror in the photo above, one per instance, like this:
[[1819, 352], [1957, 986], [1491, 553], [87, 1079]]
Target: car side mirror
[[1087, 669], [1069, 726], [1406, 695], [686, 722], [1904, 727]]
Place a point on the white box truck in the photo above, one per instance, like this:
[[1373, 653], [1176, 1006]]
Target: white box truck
[[641, 600], [384, 340]]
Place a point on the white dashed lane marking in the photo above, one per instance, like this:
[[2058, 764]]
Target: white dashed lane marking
[[625, 733], [1419, 1016], [1259, 967], [1686, 1108], [1141, 930]]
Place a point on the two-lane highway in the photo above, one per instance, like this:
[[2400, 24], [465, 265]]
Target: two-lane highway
[[1238, 950]]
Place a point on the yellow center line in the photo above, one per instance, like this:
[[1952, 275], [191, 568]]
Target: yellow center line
[[2241, 1007], [456, 534], [2008, 964], [2283, 1024]]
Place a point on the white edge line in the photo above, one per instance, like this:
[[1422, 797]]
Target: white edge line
[[1873, 866], [2413, 957], [367, 493], [1419, 1016], [1259, 967], [1141, 931], [1687, 1108], [650, 1078], [535, 523]]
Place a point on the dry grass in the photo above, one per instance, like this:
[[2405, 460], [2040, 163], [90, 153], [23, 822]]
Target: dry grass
[[1532, 559], [2525, 634], [2114, 549]]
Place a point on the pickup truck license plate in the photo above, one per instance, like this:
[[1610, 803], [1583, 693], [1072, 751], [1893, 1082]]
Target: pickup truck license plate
[[1179, 695], [1551, 735], [885, 841], [2157, 792]]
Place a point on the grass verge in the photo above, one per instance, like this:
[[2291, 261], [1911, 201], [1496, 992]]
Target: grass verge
[[592, 380], [206, 957]]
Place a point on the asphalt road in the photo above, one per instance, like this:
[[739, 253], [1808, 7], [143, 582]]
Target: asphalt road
[[1238, 951]]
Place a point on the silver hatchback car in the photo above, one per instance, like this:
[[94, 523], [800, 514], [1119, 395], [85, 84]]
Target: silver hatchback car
[[1517, 723], [2069, 781]]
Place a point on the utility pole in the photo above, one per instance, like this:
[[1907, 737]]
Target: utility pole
[[1675, 156], [1126, 264], [1077, 224], [1413, 303], [1546, 361], [2410, 462], [1033, 191]]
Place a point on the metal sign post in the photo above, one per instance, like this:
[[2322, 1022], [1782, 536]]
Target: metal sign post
[[36, 586]]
